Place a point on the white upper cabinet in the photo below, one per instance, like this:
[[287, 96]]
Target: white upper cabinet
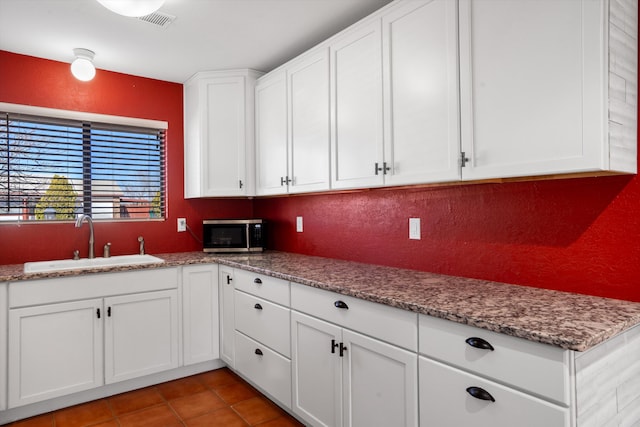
[[219, 134], [547, 87], [356, 103], [271, 134], [421, 111], [308, 83], [292, 127]]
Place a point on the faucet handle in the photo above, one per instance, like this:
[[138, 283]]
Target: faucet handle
[[107, 250], [141, 240], [76, 254]]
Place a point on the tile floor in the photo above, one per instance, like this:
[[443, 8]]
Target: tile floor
[[211, 399]]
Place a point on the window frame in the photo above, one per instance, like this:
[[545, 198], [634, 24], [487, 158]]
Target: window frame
[[98, 119]]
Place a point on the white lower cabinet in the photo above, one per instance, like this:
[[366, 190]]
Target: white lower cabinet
[[3, 344], [343, 378], [200, 324], [67, 335], [54, 350], [141, 335], [450, 397]]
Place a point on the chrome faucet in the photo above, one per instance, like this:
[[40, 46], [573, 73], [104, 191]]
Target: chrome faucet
[[90, 221]]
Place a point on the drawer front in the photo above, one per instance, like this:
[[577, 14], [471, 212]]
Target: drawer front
[[269, 370], [265, 287], [537, 368], [445, 401], [380, 321], [263, 321]]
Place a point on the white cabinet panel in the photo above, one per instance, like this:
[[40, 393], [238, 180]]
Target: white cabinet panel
[[271, 134], [4, 329], [54, 350], [317, 371], [445, 402], [380, 382], [356, 91], [200, 322], [420, 57], [141, 334], [535, 102], [265, 287], [308, 82], [227, 324], [219, 140]]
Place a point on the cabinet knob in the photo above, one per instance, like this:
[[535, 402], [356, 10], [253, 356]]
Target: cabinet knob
[[257, 307], [257, 280], [258, 352], [479, 343], [341, 304], [480, 393]]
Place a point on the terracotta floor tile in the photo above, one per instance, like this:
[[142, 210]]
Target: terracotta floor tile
[[45, 420], [135, 400], [224, 417], [85, 414], [284, 421], [180, 388], [156, 416], [237, 392], [257, 410], [218, 378], [197, 404], [110, 423]]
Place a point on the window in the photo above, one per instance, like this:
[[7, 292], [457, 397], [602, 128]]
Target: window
[[54, 168]]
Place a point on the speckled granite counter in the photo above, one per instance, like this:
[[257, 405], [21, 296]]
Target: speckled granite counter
[[562, 319]]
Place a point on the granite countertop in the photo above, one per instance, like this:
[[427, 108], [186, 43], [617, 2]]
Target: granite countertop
[[562, 319]]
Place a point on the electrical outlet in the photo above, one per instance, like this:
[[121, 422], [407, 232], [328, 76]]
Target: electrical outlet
[[414, 228], [182, 225], [299, 224]]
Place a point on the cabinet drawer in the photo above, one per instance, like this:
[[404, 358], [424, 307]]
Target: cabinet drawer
[[265, 368], [263, 321], [266, 287], [380, 321], [445, 401], [537, 368]]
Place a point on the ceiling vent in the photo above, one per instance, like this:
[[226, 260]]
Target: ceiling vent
[[159, 19]]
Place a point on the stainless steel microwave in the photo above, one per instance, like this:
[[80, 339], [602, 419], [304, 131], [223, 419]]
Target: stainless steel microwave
[[233, 235]]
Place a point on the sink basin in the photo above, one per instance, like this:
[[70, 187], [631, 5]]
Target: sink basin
[[86, 263]]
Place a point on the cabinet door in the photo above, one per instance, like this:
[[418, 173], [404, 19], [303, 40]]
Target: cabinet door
[[227, 324], [531, 87], [308, 81], [420, 56], [380, 383], [271, 134], [317, 373], [224, 150], [4, 329], [200, 323], [356, 91], [54, 350], [445, 402], [141, 334]]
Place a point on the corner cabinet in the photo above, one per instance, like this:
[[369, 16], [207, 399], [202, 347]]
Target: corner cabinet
[[219, 134], [200, 324], [562, 100]]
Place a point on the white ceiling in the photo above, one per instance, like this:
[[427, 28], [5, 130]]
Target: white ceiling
[[206, 34]]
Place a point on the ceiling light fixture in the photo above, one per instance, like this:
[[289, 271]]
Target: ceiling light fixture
[[132, 8], [82, 67]]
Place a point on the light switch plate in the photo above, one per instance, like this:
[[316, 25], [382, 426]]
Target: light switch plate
[[299, 224], [414, 228]]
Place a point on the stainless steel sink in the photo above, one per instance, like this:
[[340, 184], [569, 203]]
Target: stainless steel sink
[[86, 263]]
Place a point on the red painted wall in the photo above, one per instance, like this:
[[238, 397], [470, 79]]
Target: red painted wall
[[39, 82]]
